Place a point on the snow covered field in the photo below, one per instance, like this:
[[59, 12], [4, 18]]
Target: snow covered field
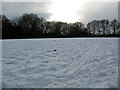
[[60, 63]]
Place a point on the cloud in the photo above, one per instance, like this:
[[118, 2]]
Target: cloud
[[26, 0], [119, 11], [13, 9], [50, 0], [0, 8], [98, 10], [87, 11]]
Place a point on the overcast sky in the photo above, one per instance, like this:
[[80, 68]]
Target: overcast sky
[[63, 11]]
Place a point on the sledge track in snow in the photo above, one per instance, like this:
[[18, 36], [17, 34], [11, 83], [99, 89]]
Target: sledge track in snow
[[85, 58]]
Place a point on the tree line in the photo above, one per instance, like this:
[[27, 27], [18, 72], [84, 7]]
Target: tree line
[[31, 26]]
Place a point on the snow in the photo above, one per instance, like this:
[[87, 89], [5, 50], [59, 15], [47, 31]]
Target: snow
[[0, 64], [60, 63]]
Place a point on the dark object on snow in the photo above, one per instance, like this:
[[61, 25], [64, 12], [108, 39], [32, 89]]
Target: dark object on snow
[[54, 50]]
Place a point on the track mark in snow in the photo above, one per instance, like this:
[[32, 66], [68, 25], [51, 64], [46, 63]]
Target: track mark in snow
[[87, 57]]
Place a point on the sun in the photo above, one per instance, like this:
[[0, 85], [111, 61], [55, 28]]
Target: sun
[[65, 10]]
